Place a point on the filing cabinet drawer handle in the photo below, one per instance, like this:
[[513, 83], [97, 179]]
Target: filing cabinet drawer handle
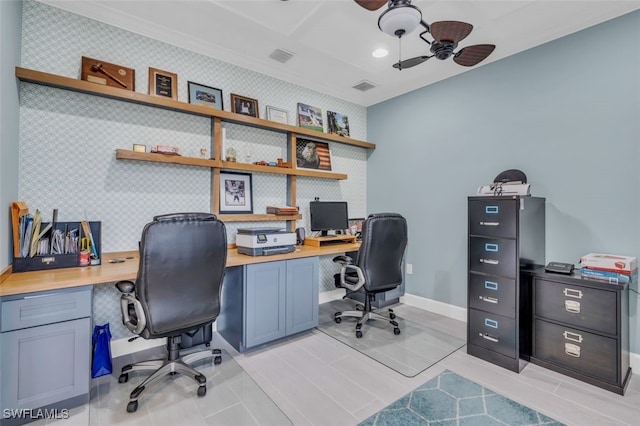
[[491, 285], [489, 299], [574, 337], [489, 337], [572, 306], [572, 350], [570, 292], [491, 247], [491, 209], [489, 223], [490, 261], [491, 323]]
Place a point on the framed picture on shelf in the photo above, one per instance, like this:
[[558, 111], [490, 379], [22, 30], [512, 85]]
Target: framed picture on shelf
[[313, 155], [244, 105], [337, 123], [278, 115], [199, 94], [163, 83], [236, 194], [310, 117]]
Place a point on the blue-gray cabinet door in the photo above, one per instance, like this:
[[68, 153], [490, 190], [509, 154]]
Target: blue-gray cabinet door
[[264, 302], [46, 364], [302, 294]]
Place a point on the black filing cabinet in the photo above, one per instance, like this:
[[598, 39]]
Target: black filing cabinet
[[581, 329], [506, 237]]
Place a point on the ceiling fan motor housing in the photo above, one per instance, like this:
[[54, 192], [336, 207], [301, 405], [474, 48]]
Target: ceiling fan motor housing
[[443, 49]]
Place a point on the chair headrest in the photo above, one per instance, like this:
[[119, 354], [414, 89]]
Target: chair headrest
[[184, 216]]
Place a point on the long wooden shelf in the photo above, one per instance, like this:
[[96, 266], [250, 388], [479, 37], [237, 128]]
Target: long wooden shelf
[[257, 217], [125, 154], [39, 77]]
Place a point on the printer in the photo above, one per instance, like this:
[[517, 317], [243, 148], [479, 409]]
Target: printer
[[265, 241]]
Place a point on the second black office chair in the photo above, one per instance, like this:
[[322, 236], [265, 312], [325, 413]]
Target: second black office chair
[[182, 266], [377, 268]]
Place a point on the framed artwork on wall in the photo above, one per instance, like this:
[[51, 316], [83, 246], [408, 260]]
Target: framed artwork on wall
[[236, 193], [163, 83], [312, 155], [199, 94], [244, 105], [278, 115], [310, 117], [338, 123]]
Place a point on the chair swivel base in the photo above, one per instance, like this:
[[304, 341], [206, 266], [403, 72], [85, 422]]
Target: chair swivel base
[[164, 367], [366, 315]]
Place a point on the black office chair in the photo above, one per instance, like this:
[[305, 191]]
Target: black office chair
[[182, 266], [378, 266]]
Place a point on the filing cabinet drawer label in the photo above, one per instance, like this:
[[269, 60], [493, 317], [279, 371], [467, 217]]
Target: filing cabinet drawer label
[[491, 323], [491, 247], [492, 209], [491, 285]]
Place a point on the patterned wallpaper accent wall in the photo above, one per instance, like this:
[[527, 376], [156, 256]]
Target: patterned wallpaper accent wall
[[68, 139]]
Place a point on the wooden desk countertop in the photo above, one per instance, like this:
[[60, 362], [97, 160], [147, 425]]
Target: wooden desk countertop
[[29, 282]]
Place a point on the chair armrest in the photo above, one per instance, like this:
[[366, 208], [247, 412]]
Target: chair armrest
[[127, 300], [125, 286], [343, 281], [344, 260]]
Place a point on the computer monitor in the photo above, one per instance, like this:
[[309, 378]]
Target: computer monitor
[[328, 216]]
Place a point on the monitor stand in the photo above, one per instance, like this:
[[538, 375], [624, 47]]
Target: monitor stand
[[329, 240]]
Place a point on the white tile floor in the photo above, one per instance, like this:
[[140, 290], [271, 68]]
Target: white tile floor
[[316, 380]]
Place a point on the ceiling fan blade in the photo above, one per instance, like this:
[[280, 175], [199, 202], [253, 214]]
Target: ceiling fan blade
[[408, 63], [472, 55], [371, 4], [454, 31]]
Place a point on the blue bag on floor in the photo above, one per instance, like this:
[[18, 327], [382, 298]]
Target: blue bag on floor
[[101, 364]]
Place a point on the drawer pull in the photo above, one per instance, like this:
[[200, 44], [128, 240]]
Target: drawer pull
[[489, 337], [491, 247], [489, 223], [574, 337], [489, 299], [491, 285], [490, 261], [570, 292], [491, 323], [572, 306], [491, 209], [572, 350]]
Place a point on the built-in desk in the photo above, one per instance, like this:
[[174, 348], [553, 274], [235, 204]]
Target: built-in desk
[[29, 282]]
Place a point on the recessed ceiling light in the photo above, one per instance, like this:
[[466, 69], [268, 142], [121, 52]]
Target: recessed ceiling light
[[380, 53]]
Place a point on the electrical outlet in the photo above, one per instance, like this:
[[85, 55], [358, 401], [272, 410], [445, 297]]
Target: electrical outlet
[[409, 268]]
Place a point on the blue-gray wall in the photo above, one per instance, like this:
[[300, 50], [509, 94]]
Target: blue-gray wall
[[567, 113], [10, 28]]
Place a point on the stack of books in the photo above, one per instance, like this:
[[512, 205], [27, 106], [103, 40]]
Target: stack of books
[[282, 210], [609, 268]]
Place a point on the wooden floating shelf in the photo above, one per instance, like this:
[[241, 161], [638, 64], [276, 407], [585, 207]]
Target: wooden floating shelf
[[125, 154], [257, 217], [46, 79]]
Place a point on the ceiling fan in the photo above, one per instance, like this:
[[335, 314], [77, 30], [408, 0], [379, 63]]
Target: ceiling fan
[[401, 18]]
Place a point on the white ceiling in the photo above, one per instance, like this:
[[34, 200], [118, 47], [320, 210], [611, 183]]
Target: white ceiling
[[333, 39]]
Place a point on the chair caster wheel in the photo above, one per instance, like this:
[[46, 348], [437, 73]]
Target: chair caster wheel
[[396, 331], [392, 316], [358, 334], [337, 318], [208, 344], [132, 406], [123, 378], [202, 391], [217, 360]]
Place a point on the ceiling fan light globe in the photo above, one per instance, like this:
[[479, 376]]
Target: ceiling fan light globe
[[400, 20]]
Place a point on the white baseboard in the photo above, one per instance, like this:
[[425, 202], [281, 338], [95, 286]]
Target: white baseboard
[[451, 311], [328, 296]]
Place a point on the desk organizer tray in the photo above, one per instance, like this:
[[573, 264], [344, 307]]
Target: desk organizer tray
[[56, 261]]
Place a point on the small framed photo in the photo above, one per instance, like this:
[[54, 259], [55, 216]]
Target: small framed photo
[[199, 94], [338, 123], [138, 147], [310, 117], [312, 155], [244, 105], [163, 83], [236, 194], [278, 115]]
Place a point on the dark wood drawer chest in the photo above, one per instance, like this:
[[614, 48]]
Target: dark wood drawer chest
[[506, 235], [581, 329]]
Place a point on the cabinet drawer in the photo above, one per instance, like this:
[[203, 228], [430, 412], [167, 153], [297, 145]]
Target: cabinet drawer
[[493, 256], [493, 332], [578, 306], [45, 308], [493, 294], [583, 352], [495, 218]]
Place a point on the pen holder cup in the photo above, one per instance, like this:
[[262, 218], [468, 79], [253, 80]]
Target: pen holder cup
[[57, 261]]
